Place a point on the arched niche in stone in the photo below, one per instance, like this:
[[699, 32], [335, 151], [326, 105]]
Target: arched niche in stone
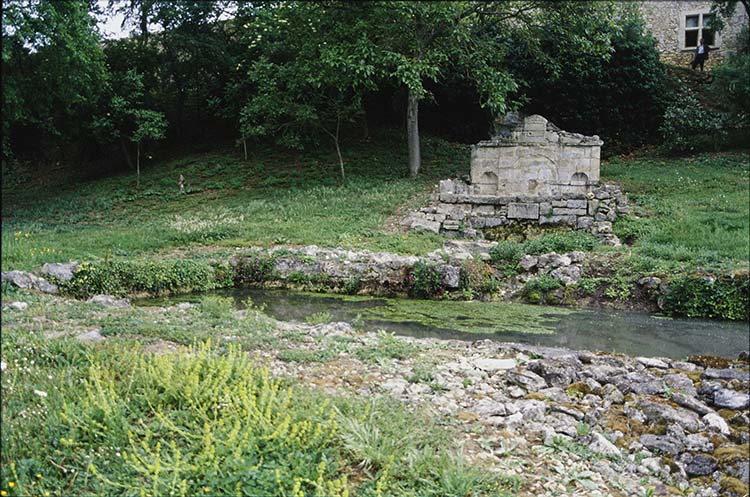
[[579, 179], [488, 183]]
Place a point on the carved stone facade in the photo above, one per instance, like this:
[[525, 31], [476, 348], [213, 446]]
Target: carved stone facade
[[531, 172], [678, 25]]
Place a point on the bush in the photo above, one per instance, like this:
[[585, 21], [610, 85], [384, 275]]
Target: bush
[[506, 253], [151, 277], [702, 296], [425, 281], [477, 276], [561, 242], [690, 127], [254, 268], [536, 289]]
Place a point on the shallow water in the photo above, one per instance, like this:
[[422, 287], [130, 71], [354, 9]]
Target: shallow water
[[629, 333]]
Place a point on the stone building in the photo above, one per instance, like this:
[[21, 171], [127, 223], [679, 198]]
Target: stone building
[[531, 172], [678, 25]]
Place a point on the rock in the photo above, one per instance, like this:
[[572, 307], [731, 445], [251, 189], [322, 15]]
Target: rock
[[567, 275], [492, 365], [684, 366], [730, 399], [680, 383], [528, 262], [420, 224], [716, 423], [527, 379], [726, 374], [183, 306], [576, 256], [92, 336], [108, 301], [658, 412], [28, 281], [665, 444], [395, 387], [60, 271], [18, 306], [451, 275], [649, 282], [698, 443], [532, 410], [600, 445], [487, 407], [699, 464], [638, 383], [556, 372], [3, 366], [690, 403], [652, 362]]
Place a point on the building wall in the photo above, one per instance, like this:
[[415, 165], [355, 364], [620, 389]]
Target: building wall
[[666, 20]]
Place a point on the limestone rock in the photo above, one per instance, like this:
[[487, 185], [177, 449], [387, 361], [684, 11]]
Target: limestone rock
[[29, 281], [108, 301], [92, 336], [716, 422], [18, 306], [493, 365], [731, 399], [658, 412], [60, 271], [526, 379], [600, 445]]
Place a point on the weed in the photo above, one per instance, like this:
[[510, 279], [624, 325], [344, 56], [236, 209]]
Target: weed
[[425, 280], [321, 317], [387, 347]]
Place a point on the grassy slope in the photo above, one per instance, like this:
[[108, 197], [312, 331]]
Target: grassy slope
[[689, 212]]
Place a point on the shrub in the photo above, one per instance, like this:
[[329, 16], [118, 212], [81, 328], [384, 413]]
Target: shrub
[[702, 296], [388, 347], [254, 268], [216, 307], [477, 276], [425, 281], [152, 277], [561, 242], [506, 253], [537, 288], [689, 127]]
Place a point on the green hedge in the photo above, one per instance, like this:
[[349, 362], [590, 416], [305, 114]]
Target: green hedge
[[152, 277], [694, 296]]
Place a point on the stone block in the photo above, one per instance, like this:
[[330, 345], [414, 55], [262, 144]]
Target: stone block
[[523, 211], [451, 225], [545, 208], [559, 203], [450, 198], [567, 219], [593, 207], [576, 204], [584, 222], [425, 225], [601, 195], [491, 222], [447, 186], [563, 211], [483, 210]]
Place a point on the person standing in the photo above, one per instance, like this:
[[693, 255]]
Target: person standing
[[701, 55]]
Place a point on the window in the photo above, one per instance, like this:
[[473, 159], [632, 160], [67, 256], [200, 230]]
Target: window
[[695, 27]]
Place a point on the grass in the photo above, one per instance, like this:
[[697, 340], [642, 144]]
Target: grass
[[117, 419], [689, 212], [275, 197]]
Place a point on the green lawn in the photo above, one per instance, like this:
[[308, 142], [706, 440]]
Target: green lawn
[[691, 212], [688, 212]]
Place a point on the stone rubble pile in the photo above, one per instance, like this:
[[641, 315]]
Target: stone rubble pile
[[679, 424]]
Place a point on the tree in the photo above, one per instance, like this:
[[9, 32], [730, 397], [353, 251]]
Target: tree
[[53, 70], [412, 43], [125, 118], [306, 73], [149, 125]]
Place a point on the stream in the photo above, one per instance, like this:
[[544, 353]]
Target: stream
[[631, 333]]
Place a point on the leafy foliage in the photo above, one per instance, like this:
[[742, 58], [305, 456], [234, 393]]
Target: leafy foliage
[[425, 280], [690, 127], [704, 296]]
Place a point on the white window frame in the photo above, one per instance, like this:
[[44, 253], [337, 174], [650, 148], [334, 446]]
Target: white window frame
[[684, 28]]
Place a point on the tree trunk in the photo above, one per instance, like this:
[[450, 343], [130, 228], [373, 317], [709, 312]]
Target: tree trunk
[[338, 148], [412, 132], [126, 154], [138, 166], [244, 146]]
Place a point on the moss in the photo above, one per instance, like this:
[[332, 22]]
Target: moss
[[731, 453], [733, 487], [472, 317], [709, 361], [579, 387], [534, 396]]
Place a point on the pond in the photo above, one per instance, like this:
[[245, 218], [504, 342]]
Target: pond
[[631, 333]]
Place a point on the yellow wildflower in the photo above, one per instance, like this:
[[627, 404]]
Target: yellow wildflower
[[11, 484]]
